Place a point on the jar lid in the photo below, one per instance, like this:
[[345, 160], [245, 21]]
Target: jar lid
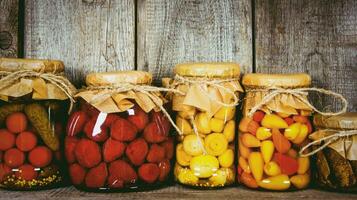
[[208, 69], [38, 65], [277, 80], [117, 77], [343, 121]]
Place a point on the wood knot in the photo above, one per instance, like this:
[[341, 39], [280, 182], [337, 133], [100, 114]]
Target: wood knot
[[5, 40]]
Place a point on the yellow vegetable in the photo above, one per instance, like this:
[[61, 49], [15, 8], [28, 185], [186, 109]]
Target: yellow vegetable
[[177, 169], [204, 166], [230, 174], [186, 176], [187, 114], [225, 113], [250, 141], [219, 178], [243, 124], [263, 133], [184, 125], [304, 165], [243, 150], [181, 156], [302, 134], [242, 162], [202, 122], [267, 150], [193, 145], [279, 182], [216, 144], [283, 115], [300, 181], [272, 169], [256, 165], [229, 130], [273, 121], [227, 158], [292, 131], [216, 125]]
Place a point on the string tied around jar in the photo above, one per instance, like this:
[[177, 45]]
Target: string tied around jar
[[299, 93], [108, 90], [9, 78], [327, 140]]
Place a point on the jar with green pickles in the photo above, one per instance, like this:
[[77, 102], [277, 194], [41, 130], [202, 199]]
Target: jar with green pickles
[[33, 112], [272, 131], [336, 163], [205, 115]]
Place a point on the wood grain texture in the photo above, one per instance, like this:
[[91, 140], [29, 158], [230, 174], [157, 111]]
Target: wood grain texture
[[88, 35], [9, 28], [317, 37], [177, 192], [171, 32]]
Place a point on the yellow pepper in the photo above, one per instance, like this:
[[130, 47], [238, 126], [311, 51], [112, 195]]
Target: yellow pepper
[[292, 131], [256, 165], [279, 182], [263, 133], [267, 150], [272, 169], [250, 141], [300, 181], [273, 121], [304, 165]]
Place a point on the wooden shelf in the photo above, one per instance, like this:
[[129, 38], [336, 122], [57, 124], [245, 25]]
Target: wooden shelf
[[177, 192]]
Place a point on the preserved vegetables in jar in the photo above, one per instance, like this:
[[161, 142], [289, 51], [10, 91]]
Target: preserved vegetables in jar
[[205, 116], [33, 113], [119, 139], [274, 127]]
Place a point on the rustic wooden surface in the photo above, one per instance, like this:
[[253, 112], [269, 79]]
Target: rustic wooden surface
[[88, 35], [178, 192], [317, 37], [171, 32], [9, 28]]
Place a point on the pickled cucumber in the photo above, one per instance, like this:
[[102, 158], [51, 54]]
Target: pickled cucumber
[[38, 116]]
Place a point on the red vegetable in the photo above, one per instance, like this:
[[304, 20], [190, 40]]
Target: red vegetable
[[149, 172], [288, 165]]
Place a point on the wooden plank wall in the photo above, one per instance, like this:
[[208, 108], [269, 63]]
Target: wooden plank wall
[[88, 35], [271, 36], [9, 12], [317, 37]]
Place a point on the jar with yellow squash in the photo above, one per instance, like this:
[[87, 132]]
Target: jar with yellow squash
[[206, 113], [33, 113], [274, 127]]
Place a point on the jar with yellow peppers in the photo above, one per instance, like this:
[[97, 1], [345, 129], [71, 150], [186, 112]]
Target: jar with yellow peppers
[[275, 124], [206, 110], [33, 110], [334, 145]]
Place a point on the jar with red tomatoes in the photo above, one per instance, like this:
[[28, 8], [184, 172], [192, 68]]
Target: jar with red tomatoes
[[118, 139], [33, 111]]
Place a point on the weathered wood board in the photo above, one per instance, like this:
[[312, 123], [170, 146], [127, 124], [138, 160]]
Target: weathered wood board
[[9, 28], [171, 32], [178, 192], [88, 35], [317, 37]]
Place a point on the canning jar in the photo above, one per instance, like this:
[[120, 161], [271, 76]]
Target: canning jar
[[33, 112], [118, 138], [335, 151], [274, 126], [205, 117]]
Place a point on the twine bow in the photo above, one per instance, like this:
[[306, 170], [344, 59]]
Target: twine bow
[[201, 82], [327, 141], [9, 78], [108, 90], [299, 93]]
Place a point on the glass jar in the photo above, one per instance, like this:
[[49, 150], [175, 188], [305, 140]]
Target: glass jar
[[118, 138], [32, 117], [271, 135], [336, 165], [205, 117]]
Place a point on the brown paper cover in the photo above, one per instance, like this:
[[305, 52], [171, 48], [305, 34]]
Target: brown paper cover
[[201, 95], [283, 103], [39, 88], [107, 101]]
